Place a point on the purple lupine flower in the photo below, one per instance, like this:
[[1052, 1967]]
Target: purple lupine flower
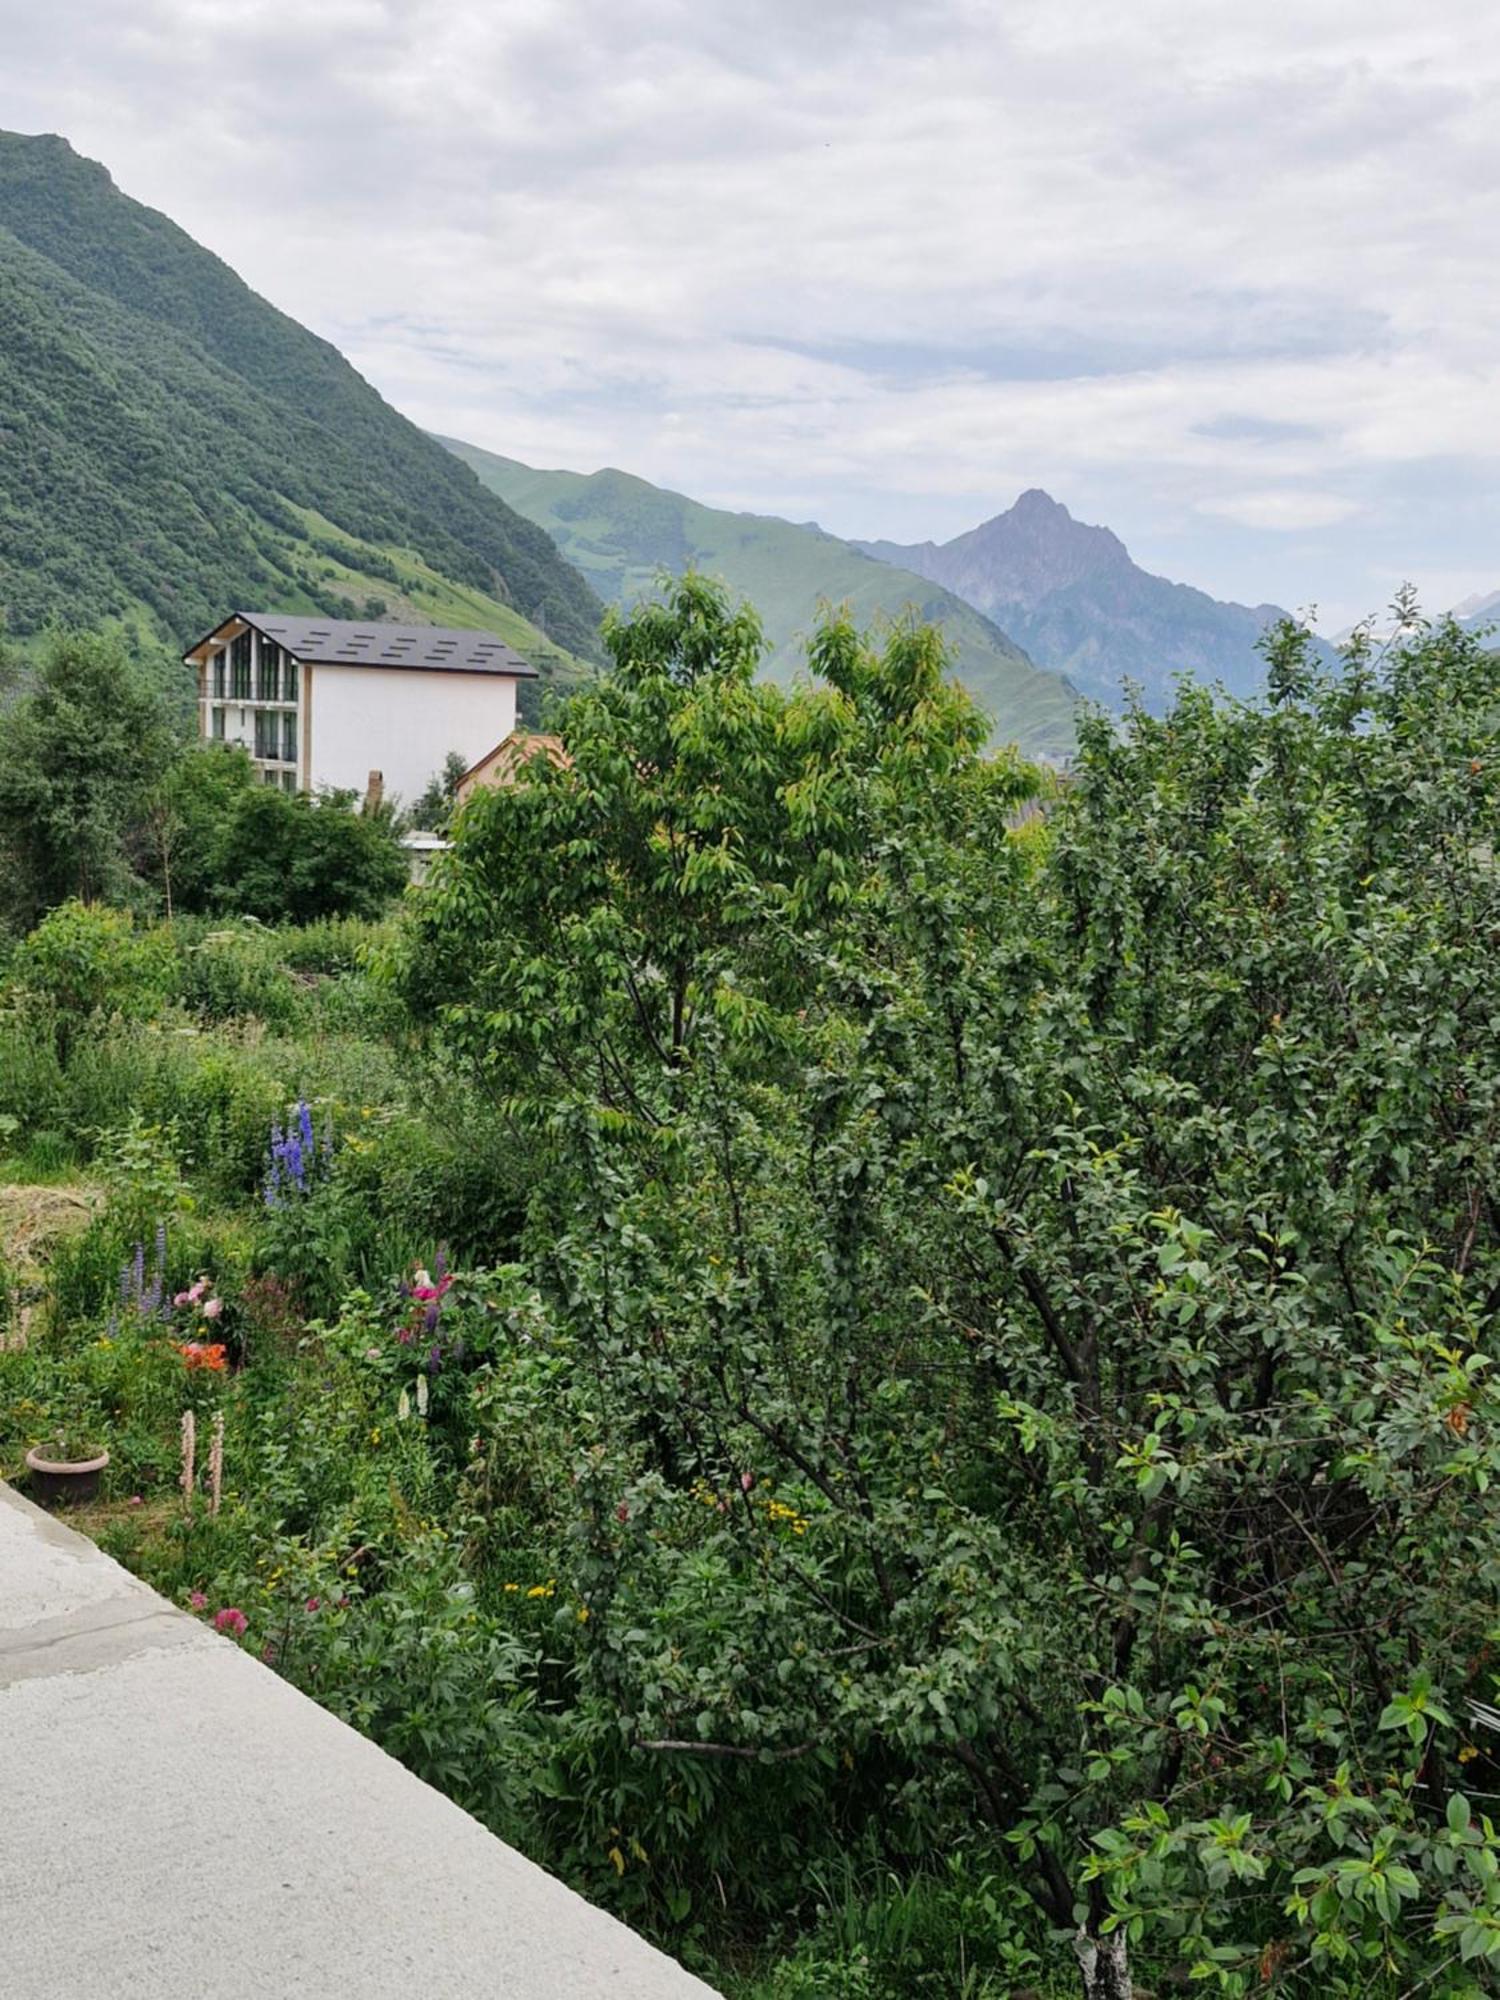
[[294, 1156], [138, 1273], [434, 1359], [432, 1315]]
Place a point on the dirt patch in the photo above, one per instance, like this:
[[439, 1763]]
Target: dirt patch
[[32, 1220]]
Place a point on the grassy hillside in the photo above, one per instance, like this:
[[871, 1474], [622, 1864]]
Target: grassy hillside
[[620, 531], [172, 446]]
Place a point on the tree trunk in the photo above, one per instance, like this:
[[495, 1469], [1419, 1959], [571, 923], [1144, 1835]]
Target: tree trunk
[[1105, 1966]]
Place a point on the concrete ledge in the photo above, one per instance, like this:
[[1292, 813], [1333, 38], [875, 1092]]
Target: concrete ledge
[[180, 1824]]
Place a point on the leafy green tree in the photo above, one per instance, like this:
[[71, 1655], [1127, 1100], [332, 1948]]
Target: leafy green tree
[[1026, 1303], [434, 809], [294, 859], [79, 754]]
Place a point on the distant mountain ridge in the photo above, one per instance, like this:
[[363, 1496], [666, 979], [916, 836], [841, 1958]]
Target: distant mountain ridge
[[621, 531], [1071, 595], [1480, 613], [172, 446]]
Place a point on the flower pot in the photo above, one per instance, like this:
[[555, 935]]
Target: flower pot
[[63, 1480]]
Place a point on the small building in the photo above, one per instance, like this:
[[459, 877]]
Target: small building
[[500, 765], [321, 702], [421, 850]]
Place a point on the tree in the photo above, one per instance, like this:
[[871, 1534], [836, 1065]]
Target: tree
[[1027, 1302], [295, 858], [434, 809], [185, 820], [79, 754]]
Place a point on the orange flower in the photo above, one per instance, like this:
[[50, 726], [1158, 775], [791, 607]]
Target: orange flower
[[203, 1354], [1457, 1419]]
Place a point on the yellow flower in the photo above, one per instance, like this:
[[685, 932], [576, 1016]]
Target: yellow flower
[[542, 1589], [583, 1614], [512, 1586], [1467, 1754]]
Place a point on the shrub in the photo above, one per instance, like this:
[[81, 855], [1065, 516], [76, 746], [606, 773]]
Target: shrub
[[330, 945], [229, 973], [83, 960]]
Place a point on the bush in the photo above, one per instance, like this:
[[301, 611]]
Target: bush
[[237, 972], [295, 859], [331, 945], [83, 960]]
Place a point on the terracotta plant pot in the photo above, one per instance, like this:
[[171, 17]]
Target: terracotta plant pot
[[63, 1480]]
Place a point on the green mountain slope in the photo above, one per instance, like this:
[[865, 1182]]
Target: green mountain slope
[[171, 446], [620, 531]]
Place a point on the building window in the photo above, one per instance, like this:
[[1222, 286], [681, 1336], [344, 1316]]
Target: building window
[[266, 735], [219, 659], [268, 777], [288, 678], [268, 673], [289, 781], [239, 668], [218, 725], [289, 739]]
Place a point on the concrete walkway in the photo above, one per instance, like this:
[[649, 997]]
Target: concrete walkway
[[176, 1823]]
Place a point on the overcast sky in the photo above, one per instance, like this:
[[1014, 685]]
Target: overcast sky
[[1224, 276]]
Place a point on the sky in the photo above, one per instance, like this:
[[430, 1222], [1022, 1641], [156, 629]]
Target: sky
[[1221, 276]]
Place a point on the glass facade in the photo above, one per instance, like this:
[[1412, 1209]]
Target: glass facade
[[247, 672], [268, 672], [239, 668]]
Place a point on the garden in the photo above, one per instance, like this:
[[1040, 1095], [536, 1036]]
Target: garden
[[897, 1387]]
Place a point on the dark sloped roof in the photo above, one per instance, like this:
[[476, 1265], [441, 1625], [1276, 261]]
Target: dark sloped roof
[[343, 642]]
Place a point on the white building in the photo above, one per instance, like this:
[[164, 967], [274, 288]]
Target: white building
[[325, 702]]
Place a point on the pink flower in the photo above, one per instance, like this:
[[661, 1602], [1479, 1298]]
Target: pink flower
[[198, 1601], [134, 1500], [268, 1652], [181, 1298], [213, 1308], [195, 1292], [312, 1604], [230, 1620], [747, 1480]]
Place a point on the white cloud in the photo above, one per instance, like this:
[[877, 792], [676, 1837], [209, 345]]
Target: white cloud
[[1195, 267], [1284, 512]]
